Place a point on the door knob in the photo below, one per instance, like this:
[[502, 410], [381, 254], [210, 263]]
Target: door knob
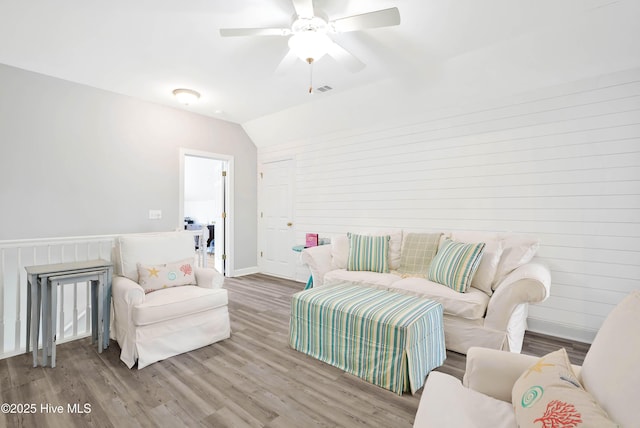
[[289, 224]]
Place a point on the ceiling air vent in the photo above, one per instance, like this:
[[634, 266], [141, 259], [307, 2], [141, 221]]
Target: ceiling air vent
[[324, 88]]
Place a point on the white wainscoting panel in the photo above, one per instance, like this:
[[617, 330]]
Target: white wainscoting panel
[[562, 164]]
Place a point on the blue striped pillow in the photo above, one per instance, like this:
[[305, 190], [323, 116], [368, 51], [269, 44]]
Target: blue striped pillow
[[455, 263], [368, 253]]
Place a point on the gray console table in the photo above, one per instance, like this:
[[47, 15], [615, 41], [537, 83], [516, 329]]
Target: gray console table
[[43, 281]]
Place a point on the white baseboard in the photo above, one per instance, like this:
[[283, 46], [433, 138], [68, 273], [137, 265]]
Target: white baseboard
[[245, 271], [561, 330]]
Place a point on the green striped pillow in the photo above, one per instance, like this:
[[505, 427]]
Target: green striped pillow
[[455, 263], [368, 253]]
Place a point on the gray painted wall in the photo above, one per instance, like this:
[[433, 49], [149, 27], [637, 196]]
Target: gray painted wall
[[75, 161]]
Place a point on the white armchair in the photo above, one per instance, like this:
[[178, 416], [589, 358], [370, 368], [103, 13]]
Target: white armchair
[[166, 322], [610, 375]]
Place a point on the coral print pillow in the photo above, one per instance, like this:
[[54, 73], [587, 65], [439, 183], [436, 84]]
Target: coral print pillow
[[548, 395], [157, 277]]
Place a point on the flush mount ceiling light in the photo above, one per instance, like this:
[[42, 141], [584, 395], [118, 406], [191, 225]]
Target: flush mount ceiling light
[[186, 96]]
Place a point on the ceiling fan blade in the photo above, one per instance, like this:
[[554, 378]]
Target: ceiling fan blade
[[380, 18], [304, 8], [287, 62], [235, 32], [345, 58]]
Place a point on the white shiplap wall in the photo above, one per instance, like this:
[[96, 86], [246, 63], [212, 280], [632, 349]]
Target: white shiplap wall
[[562, 164]]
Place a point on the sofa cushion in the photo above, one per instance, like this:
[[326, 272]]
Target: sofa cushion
[[177, 302], [610, 370], [339, 251], [517, 250], [156, 277], [446, 402], [372, 279], [455, 263], [152, 249], [470, 305], [550, 394], [493, 249], [368, 253], [418, 249]]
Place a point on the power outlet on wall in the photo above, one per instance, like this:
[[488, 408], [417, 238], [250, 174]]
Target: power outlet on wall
[[155, 214]]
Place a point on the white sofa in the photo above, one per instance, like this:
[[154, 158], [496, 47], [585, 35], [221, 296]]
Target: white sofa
[[493, 318], [160, 324], [608, 378]]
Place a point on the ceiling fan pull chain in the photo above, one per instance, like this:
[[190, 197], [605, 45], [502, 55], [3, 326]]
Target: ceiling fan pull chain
[[310, 61]]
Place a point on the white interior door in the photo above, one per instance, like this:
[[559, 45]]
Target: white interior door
[[276, 219], [219, 254]]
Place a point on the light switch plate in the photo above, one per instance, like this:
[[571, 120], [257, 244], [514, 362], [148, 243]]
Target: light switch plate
[[155, 214]]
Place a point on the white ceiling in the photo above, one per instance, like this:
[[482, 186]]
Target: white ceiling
[[147, 48]]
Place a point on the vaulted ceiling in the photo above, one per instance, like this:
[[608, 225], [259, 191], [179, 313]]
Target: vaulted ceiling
[[441, 50]]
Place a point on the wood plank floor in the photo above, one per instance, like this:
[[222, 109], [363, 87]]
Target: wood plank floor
[[252, 379]]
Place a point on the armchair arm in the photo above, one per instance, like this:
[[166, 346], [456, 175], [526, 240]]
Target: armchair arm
[[493, 372], [530, 283], [209, 278], [319, 261], [126, 294]]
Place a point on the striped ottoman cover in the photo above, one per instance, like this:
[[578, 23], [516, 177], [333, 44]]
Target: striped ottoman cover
[[389, 339]]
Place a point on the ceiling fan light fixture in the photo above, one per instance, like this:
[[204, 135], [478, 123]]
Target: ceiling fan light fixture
[[310, 45], [186, 96]]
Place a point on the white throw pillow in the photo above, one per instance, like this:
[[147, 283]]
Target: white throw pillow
[[483, 279], [517, 251], [339, 251], [156, 277]]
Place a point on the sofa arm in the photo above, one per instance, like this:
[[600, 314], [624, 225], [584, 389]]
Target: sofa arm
[[493, 372], [319, 261], [530, 283], [209, 278]]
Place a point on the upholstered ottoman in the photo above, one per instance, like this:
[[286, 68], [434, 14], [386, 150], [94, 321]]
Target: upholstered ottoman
[[390, 339]]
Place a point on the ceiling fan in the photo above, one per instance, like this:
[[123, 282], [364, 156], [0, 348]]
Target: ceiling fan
[[309, 33]]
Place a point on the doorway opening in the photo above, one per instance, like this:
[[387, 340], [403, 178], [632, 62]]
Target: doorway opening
[[205, 203]]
